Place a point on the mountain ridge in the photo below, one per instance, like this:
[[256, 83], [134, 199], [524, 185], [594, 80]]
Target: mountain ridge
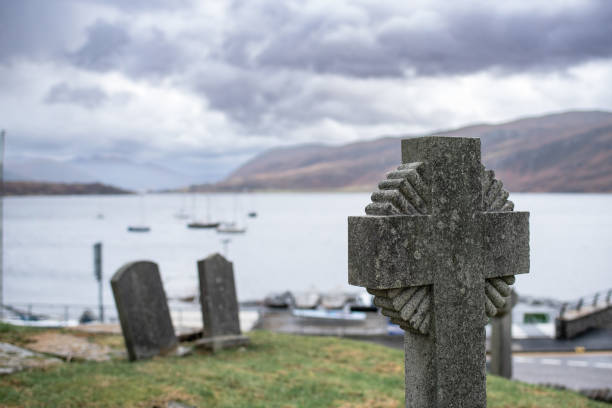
[[559, 152]]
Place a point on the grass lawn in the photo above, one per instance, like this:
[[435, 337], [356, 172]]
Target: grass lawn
[[276, 371]]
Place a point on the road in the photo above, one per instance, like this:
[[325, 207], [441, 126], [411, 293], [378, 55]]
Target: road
[[575, 371]]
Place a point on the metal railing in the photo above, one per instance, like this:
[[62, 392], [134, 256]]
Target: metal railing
[[60, 313], [592, 301], [72, 314]]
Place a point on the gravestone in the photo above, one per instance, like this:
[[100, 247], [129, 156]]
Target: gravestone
[[143, 310], [219, 304], [438, 249], [501, 339]]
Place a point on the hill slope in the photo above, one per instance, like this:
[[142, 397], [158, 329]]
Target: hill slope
[[564, 152], [42, 188]]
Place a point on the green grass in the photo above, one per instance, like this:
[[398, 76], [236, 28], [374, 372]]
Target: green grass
[[276, 371]]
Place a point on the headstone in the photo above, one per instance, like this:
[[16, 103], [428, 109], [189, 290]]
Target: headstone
[[143, 310], [438, 249], [501, 339], [219, 304]]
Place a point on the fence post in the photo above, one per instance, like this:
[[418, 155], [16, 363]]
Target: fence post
[[98, 275], [562, 311]]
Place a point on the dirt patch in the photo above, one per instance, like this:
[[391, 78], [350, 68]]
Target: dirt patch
[[173, 398], [389, 368], [98, 328], [382, 402], [69, 347]]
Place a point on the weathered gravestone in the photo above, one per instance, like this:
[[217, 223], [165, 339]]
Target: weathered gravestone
[[501, 339], [143, 310], [439, 248], [219, 304]]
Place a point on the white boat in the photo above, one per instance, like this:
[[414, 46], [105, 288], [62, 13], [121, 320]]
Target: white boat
[[181, 215], [142, 227], [307, 300], [323, 314], [335, 300], [230, 228]]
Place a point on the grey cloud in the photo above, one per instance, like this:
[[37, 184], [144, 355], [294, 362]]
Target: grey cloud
[[268, 68], [144, 5], [109, 46], [246, 96], [87, 97], [466, 41], [34, 28], [277, 49], [106, 44]]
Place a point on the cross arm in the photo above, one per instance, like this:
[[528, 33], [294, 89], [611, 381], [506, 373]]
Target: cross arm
[[505, 243], [389, 251]]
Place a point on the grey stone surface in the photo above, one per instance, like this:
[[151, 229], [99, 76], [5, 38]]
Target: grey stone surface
[[439, 249], [143, 310], [14, 359], [501, 339], [217, 343], [219, 304]]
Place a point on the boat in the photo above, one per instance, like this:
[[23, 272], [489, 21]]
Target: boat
[[307, 300], [363, 303], [138, 228], [230, 228], [181, 215], [198, 224], [329, 315], [252, 214], [283, 300], [195, 224], [335, 300], [142, 227]]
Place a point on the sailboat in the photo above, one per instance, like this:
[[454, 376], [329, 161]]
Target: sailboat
[[181, 214], [201, 224], [141, 227], [252, 213], [231, 227]]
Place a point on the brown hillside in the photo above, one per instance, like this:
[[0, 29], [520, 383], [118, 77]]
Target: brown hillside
[[43, 188], [565, 152]]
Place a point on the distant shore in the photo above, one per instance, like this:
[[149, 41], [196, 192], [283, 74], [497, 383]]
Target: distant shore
[[31, 188]]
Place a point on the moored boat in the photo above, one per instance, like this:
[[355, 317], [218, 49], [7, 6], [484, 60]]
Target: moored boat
[[198, 224], [323, 314], [138, 228], [230, 228]]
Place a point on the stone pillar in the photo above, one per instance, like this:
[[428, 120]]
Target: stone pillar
[[501, 340]]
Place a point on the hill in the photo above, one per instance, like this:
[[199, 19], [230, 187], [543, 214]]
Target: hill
[[564, 152], [42, 188]]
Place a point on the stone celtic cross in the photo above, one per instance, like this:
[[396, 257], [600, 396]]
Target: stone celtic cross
[[438, 250]]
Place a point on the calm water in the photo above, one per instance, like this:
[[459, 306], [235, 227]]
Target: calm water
[[298, 242]]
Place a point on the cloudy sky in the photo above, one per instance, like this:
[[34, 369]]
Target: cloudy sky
[[195, 84]]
